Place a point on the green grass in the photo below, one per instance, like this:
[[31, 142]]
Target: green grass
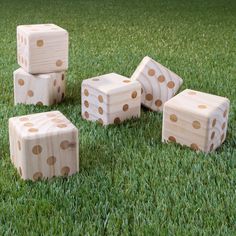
[[129, 182]]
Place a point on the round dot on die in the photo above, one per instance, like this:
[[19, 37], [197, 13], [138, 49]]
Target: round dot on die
[[86, 115], [202, 106], [100, 110], [149, 97], [86, 103], [100, 98], [86, 92], [24, 119], [40, 43], [151, 72], [61, 125], [126, 81], [196, 124], [170, 84], [38, 176], [158, 103], [62, 77], [213, 123], [134, 94], [212, 135], [161, 78], [55, 82], [95, 79], [222, 137], [56, 120], [62, 96], [37, 149], [117, 120], [100, 121], [65, 171], [194, 146], [21, 82], [172, 139], [30, 93], [33, 130], [173, 118], [59, 63], [64, 144], [211, 147], [223, 125], [225, 113], [59, 89], [39, 103], [28, 124], [51, 160], [125, 107]]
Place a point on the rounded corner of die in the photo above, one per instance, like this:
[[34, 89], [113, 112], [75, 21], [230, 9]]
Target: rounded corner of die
[[227, 101]]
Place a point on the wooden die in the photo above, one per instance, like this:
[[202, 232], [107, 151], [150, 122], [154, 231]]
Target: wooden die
[[159, 84], [196, 119], [42, 48], [41, 89], [43, 145], [110, 98]]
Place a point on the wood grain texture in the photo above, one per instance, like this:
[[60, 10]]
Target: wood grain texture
[[41, 89], [42, 48], [110, 99], [43, 145], [159, 84], [196, 119]]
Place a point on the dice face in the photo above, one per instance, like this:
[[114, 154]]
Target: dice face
[[43, 145], [196, 119], [41, 89], [110, 99], [159, 84], [42, 48]]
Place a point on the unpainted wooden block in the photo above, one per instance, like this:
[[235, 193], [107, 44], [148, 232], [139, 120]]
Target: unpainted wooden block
[[42, 48], [110, 98], [41, 89], [196, 119], [159, 84], [43, 145]]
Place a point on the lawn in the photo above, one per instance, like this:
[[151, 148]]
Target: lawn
[[129, 182]]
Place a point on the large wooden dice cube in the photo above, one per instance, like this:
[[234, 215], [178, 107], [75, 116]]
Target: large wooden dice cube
[[41, 89], [159, 84], [42, 48], [110, 98], [196, 119], [43, 145]]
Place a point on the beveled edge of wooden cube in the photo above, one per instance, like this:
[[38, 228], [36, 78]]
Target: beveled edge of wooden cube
[[147, 60], [32, 136], [128, 84], [170, 102]]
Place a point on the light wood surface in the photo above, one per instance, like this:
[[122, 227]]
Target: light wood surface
[[44, 145], [110, 98], [196, 119], [159, 84], [42, 48], [41, 89]]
